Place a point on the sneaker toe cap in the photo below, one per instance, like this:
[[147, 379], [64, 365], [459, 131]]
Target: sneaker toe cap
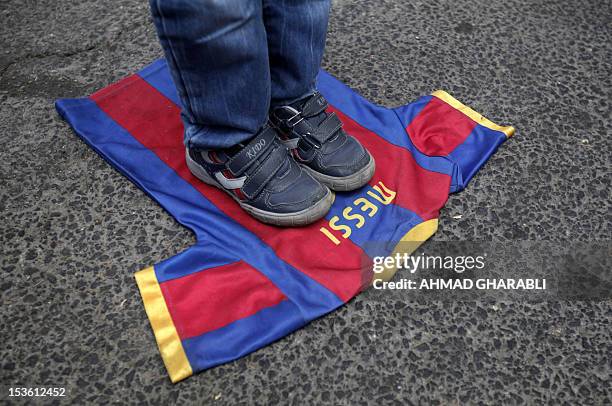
[[347, 160], [300, 195]]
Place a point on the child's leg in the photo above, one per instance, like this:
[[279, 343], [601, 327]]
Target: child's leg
[[218, 55], [296, 32]]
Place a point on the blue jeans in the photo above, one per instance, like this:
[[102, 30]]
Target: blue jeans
[[231, 60]]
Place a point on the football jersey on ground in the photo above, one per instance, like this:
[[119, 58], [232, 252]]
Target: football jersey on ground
[[245, 284]]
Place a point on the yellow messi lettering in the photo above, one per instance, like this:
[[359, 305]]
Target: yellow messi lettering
[[382, 198], [367, 205], [347, 215], [329, 235], [346, 230]]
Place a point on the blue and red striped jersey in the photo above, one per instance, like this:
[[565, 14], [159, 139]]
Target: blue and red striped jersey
[[245, 284]]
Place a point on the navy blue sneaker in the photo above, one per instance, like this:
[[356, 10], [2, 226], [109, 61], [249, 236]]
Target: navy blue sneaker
[[265, 181], [320, 145]]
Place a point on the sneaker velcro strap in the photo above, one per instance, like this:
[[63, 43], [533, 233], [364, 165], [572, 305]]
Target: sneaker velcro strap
[[315, 105], [258, 180], [327, 128], [255, 149]]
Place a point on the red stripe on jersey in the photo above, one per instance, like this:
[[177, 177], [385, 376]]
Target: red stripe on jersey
[[155, 122], [419, 190], [213, 291], [439, 128]]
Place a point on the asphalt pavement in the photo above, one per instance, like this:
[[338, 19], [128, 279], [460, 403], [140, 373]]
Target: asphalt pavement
[[74, 230]]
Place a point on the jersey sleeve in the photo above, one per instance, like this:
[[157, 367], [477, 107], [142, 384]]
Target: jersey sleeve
[[440, 126]]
